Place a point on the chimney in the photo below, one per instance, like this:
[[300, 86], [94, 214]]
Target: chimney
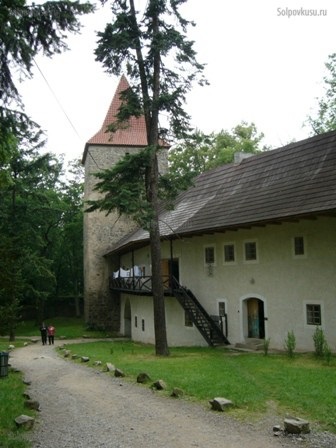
[[240, 156]]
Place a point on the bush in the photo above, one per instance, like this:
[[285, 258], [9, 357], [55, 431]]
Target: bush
[[327, 352], [290, 344], [319, 342], [266, 346]]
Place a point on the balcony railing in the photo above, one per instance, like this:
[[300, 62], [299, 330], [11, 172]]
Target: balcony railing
[[138, 285]]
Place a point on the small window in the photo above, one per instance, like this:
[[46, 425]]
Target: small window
[[136, 321], [143, 324], [221, 308], [209, 255], [251, 251], [299, 248], [313, 314], [229, 253], [187, 321]]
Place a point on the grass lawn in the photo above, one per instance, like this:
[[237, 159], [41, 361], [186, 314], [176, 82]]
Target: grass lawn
[[12, 404], [68, 328], [303, 386]]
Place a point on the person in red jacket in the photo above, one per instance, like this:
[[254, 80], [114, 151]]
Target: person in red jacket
[[51, 334]]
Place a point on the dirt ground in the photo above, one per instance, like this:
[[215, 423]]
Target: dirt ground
[[83, 407]]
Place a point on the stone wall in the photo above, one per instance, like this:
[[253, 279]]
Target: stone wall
[[101, 232]]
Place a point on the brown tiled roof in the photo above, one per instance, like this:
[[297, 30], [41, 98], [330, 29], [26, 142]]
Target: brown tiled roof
[[133, 134], [293, 182]]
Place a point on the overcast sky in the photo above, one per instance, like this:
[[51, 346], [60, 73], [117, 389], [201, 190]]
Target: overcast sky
[[265, 64]]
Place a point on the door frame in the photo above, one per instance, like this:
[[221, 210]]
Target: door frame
[[244, 313]]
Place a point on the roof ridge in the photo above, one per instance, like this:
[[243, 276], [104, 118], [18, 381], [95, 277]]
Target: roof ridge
[[133, 134]]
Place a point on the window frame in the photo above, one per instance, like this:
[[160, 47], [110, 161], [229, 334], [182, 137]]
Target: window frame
[[313, 323], [230, 262], [224, 302], [253, 260], [205, 248], [294, 246], [188, 323]]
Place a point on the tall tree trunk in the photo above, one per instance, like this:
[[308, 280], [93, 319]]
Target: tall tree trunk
[[151, 113], [161, 344]]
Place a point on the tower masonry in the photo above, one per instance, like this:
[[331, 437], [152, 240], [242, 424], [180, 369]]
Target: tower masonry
[[101, 231]]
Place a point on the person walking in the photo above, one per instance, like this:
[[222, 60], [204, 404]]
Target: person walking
[[43, 330], [51, 334]]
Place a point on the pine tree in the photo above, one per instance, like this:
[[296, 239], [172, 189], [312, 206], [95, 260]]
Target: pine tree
[[145, 45]]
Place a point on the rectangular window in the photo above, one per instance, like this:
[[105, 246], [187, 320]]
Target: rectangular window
[[229, 253], [221, 308], [299, 248], [136, 321], [187, 321], [143, 324], [313, 314], [250, 251], [209, 255]]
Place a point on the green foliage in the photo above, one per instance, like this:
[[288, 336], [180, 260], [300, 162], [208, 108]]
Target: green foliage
[[290, 343], [319, 341], [28, 214], [25, 31], [31, 206], [9, 316], [144, 45], [12, 405], [124, 190], [327, 353], [41, 221], [322, 348], [266, 345], [123, 187], [325, 119], [67, 251], [201, 152]]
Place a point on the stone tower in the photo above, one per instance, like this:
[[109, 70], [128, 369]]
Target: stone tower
[[101, 232]]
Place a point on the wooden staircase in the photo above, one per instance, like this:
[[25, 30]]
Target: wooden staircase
[[200, 318]]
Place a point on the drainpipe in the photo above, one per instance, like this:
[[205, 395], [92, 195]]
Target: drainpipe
[[133, 283], [171, 265]]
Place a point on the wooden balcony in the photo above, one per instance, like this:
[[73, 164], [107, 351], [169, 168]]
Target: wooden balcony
[[138, 285]]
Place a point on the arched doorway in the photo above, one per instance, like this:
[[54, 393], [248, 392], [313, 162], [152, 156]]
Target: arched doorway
[[254, 318], [127, 319]]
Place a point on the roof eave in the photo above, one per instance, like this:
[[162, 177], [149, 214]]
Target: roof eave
[[132, 245]]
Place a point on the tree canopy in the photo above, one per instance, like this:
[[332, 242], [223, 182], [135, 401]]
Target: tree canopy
[[325, 119], [32, 202], [40, 225], [26, 30], [201, 152]]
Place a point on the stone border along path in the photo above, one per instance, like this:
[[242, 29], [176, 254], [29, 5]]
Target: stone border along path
[[83, 407]]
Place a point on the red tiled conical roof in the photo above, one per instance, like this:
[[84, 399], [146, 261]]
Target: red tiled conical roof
[[134, 134]]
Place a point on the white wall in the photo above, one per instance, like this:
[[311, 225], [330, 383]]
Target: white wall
[[283, 282], [177, 333]]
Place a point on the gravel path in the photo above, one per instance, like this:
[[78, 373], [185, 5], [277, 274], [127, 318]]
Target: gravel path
[[81, 407]]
